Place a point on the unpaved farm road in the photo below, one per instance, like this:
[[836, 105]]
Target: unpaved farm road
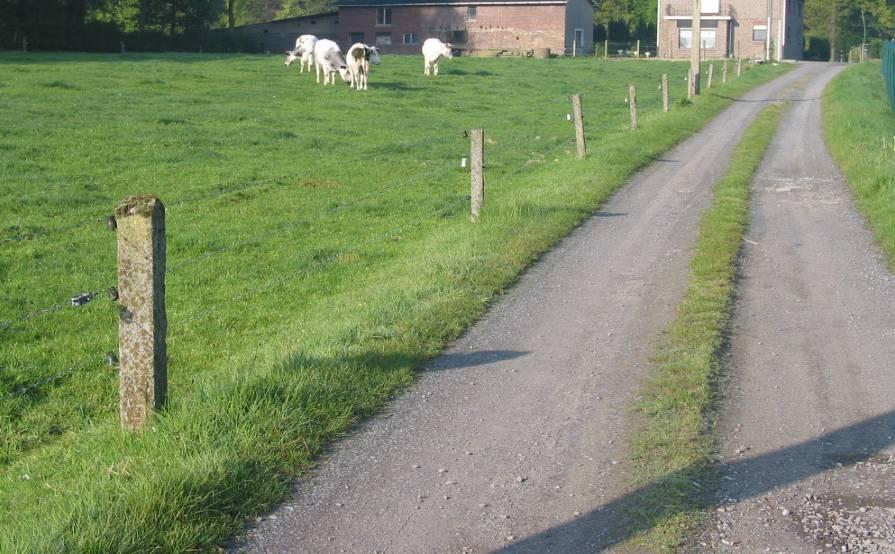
[[808, 430], [515, 438]]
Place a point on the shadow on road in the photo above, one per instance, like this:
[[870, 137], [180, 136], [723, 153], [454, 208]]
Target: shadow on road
[[470, 359], [624, 518]]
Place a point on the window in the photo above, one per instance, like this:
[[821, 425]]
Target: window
[[471, 13], [685, 38], [760, 33], [383, 39], [384, 16], [579, 38], [458, 36], [707, 38], [409, 38], [711, 6], [357, 36]]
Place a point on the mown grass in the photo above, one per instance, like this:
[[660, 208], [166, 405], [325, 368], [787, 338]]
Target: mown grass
[[672, 448], [319, 249], [859, 128]]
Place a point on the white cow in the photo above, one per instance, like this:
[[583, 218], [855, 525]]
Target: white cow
[[433, 50], [304, 50], [328, 59], [360, 56]]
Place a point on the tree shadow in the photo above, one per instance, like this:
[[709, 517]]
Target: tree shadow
[[624, 518], [462, 360]]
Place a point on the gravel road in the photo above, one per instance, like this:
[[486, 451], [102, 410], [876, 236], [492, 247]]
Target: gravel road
[[514, 439], [808, 427]]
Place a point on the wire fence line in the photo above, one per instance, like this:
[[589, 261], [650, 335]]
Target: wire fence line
[[433, 161]]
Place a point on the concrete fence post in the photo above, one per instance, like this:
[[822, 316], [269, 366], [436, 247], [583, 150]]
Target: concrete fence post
[[665, 92], [724, 73], [578, 118], [574, 48], [477, 181], [123, 49], [739, 66], [606, 49], [711, 74], [638, 48], [143, 323], [24, 44], [632, 102]]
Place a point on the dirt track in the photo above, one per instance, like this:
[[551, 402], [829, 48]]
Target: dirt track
[[514, 439], [808, 431]]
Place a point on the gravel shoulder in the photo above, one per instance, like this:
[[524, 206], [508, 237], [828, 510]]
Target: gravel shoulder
[[515, 436], [807, 433]]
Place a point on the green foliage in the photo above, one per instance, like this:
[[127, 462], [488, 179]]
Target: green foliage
[[313, 262], [843, 22]]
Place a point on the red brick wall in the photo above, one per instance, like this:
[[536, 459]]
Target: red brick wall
[[510, 27]]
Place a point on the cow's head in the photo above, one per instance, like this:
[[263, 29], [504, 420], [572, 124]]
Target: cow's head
[[345, 74], [373, 55], [291, 56], [448, 50]]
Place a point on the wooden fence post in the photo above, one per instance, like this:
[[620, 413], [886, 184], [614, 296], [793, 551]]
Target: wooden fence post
[[24, 44], [123, 49], [477, 182], [739, 66], [578, 118], [606, 49], [638, 48], [724, 73], [711, 73], [632, 102], [143, 323], [665, 92]]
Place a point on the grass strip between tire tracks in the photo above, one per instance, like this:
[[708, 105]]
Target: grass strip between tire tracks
[[673, 449], [859, 128]]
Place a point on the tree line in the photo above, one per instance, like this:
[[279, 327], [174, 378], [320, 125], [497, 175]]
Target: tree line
[[833, 27]]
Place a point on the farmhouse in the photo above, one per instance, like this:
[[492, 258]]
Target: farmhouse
[[755, 29], [400, 26], [279, 35]]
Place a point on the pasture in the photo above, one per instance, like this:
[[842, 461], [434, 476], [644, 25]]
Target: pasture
[[319, 249]]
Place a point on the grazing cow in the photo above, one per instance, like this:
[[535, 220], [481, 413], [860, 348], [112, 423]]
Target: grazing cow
[[328, 59], [304, 50], [433, 50], [360, 56]]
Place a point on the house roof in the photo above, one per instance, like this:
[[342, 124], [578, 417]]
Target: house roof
[[381, 3], [284, 20]]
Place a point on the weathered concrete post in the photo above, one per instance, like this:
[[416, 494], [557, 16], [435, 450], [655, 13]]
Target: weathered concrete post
[[665, 92], [574, 48], [578, 118], [711, 74], [632, 102], [739, 66], [143, 323], [724, 73], [123, 49], [638, 48], [477, 182], [606, 49]]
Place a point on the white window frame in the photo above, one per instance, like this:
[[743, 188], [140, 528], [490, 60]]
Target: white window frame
[[579, 33], [704, 34], [710, 6], [681, 32], [383, 17], [412, 37], [383, 39], [760, 28]]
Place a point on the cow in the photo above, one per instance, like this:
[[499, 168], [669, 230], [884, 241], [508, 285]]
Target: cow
[[328, 59], [359, 58], [304, 50], [433, 50]]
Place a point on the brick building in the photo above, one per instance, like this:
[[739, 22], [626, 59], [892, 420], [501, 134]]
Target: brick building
[[279, 35], [753, 29], [401, 26]]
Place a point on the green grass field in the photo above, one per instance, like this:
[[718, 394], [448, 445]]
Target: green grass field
[[319, 248], [860, 132]]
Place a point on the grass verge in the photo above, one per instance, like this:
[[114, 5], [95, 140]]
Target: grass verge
[[312, 266], [859, 128], [672, 450]]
